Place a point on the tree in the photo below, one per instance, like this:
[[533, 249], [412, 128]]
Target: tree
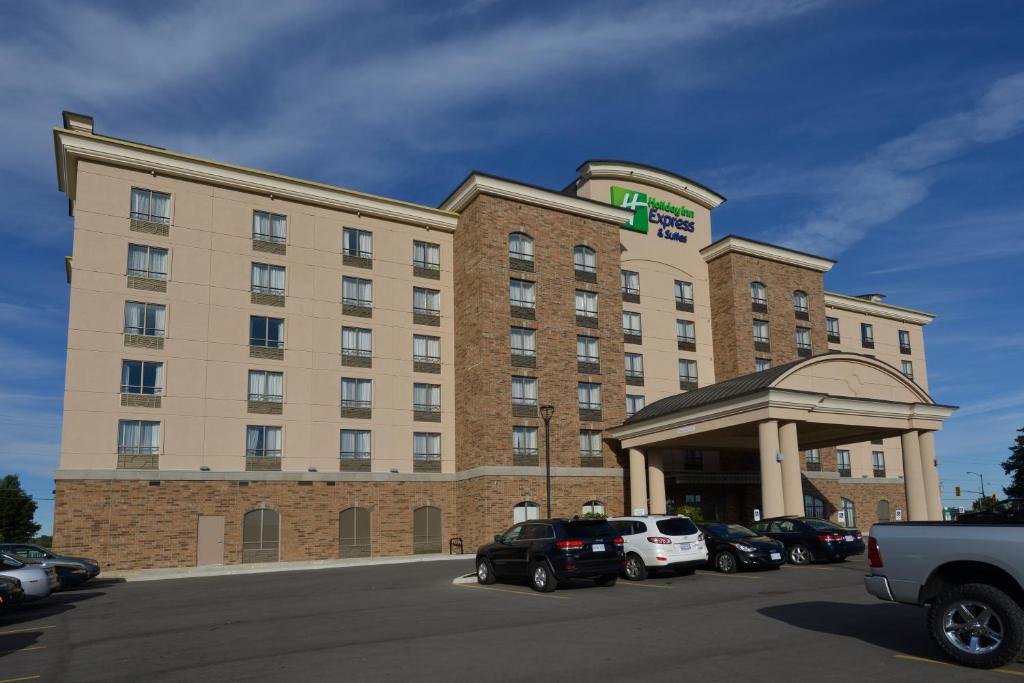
[[16, 511], [984, 503], [1014, 467]]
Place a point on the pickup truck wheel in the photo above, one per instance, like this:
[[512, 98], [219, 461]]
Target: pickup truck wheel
[[799, 554], [977, 625]]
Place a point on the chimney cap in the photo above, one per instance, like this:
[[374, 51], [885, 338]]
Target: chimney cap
[[78, 122]]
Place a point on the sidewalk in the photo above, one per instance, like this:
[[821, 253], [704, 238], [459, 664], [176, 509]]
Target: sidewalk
[[269, 567]]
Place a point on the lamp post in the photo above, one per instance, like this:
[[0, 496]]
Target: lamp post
[[546, 412], [982, 482]]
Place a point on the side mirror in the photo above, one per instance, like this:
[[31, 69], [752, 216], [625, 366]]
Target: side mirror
[[497, 538]]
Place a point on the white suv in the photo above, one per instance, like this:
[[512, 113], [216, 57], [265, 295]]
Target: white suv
[[660, 541]]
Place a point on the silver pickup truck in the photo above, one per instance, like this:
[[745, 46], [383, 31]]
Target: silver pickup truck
[[971, 577]]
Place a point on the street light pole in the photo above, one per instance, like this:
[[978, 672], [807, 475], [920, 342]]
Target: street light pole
[[980, 476], [546, 411]]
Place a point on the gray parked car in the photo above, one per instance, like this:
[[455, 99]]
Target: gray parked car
[[72, 571], [37, 579]]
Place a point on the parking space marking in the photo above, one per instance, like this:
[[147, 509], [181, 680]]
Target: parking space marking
[[506, 590], [24, 630], [728, 576], [911, 658], [643, 585], [23, 649], [20, 678]]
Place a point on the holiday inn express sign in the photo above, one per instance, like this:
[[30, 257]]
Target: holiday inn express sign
[[673, 221]]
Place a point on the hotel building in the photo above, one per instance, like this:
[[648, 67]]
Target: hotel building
[[264, 368]]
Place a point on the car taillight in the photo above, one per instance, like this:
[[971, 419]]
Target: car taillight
[[874, 556], [660, 540], [700, 537], [572, 544], [828, 538], [618, 541], [858, 536]]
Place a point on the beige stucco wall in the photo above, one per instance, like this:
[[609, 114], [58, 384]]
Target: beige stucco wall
[[206, 354]]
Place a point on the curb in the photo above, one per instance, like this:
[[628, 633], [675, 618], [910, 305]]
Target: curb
[[465, 578]]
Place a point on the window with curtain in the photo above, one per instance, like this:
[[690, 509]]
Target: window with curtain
[[520, 246], [586, 304], [426, 446], [355, 393], [356, 341], [843, 462], [803, 338], [525, 511], [687, 370], [904, 336], [148, 262], [634, 404], [144, 319], [593, 507], [262, 441], [264, 331], [426, 349], [907, 368], [356, 242], [630, 282], [867, 333], [686, 332], [524, 391], [590, 443], [800, 301], [426, 301], [426, 255], [266, 386], [758, 293], [878, 463], [634, 365], [814, 507], [524, 341], [426, 397], [684, 293], [584, 259], [138, 437], [850, 512], [587, 349], [761, 364], [142, 377], [761, 331], [631, 323], [524, 440], [267, 279], [147, 205], [357, 291], [832, 329], [269, 227], [521, 293], [589, 395], [812, 459], [355, 444]]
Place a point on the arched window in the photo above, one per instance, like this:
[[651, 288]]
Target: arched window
[[584, 259], [525, 510], [520, 246], [883, 511], [426, 530], [849, 512], [354, 532], [814, 507], [800, 301], [758, 296], [261, 536], [593, 507]]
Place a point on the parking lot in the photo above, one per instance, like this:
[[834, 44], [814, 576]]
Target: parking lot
[[410, 621]]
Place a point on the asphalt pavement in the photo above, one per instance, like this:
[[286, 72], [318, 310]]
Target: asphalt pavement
[[410, 622]]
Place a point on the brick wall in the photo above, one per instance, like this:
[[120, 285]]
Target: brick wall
[[865, 498]]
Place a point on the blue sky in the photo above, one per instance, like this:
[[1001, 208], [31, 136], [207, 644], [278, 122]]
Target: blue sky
[[887, 135]]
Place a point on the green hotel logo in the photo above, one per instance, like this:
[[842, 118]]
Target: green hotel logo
[[673, 222], [631, 199]]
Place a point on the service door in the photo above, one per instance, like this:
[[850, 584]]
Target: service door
[[210, 545]]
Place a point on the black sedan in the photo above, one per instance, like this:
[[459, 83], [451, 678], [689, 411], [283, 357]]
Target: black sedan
[[808, 539], [732, 547], [72, 571]]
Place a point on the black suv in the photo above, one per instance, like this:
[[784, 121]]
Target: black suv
[[546, 551]]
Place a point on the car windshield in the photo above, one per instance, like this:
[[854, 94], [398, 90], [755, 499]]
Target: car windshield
[[677, 526], [822, 525], [728, 531], [589, 528]]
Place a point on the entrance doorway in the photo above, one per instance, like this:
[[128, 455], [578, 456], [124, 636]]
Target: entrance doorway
[[210, 543]]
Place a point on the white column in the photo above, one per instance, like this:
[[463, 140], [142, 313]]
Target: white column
[[637, 483], [917, 504], [772, 504], [932, 494], [792, 483], [656, 483]]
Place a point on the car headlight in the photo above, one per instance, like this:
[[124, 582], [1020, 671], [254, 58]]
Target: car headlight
[[744, 548]]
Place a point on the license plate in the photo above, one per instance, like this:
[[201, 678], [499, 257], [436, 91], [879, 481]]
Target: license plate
[[848, 538], [684, 546], [598, 547], [776, 556]]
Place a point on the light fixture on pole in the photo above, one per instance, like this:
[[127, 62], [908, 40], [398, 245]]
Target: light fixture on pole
[[982, 482], [546, 412]]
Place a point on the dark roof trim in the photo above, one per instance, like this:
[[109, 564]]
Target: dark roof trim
[[766, 244], [652, 168]]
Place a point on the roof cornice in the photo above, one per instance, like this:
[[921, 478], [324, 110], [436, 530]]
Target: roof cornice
[[649, 175], [770, 252], [846, 302], [70, 146], [477, 184]]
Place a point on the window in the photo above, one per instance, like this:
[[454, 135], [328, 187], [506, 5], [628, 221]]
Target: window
[[687, 371], [812, 458], [356, 341], [586, 304], [356, 242], [590, 443], [526, 510], [357, 291], [814, 507], [634, 366], [849, 512], [584, 259], [142, 377], [261, 536], [878, 463], [686, 332], [759, 295], [426, 446], [761, 364], [521, 293], [589, 395], [761, 332], [593, 507], [904, 341], [138, 437], [354, 532], [587, 350], [907, 368], [147, 205], [631, 323], [800, 301], [634, 404], [269, 227], [524, 341], [426, 255], [265, 331], [867, 335], [426, 349], [426, 301], [882, 511], [693, 460], [266, 386], [524, 391], [630, 283], [832, 329], [148, 262], [145, 319], [268, 279], [355, 444], [803, 339], [262, 441], [843, 462], [356, 393], [520, 246], [426, 530], [524, 441], [684, 295], [426, 397]]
